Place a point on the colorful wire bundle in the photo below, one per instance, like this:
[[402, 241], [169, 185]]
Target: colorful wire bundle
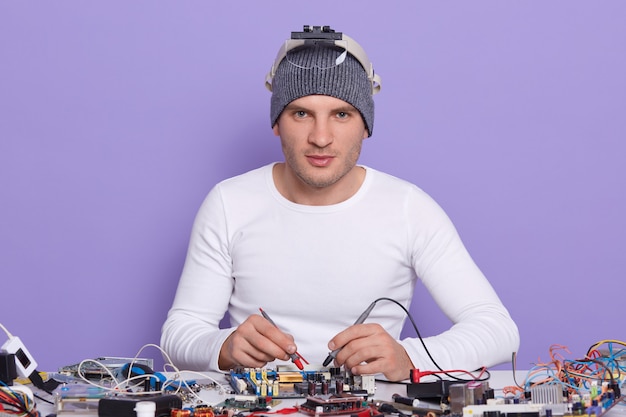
[[599, 368], [15, 402]]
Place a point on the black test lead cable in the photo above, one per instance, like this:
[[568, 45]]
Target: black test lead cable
[[363, 316], [331, 356]]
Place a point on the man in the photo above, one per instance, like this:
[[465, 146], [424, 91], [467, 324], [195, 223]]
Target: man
[[316, 239]]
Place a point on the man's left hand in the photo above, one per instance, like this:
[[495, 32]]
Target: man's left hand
[[369, 349]]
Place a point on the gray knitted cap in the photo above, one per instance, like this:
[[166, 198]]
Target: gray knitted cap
[[312, 70]]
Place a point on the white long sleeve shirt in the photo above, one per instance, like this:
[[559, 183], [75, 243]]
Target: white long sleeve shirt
[[315, 269]]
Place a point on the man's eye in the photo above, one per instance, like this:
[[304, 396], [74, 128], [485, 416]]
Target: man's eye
[[300, 113], [342, 115]]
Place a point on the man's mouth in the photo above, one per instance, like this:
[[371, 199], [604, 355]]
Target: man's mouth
[[319, 160]]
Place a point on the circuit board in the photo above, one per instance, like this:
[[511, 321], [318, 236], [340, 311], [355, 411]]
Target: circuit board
[[288, 382]]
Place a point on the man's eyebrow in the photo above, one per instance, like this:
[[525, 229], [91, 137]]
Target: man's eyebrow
[[343, 108], [292, 106]]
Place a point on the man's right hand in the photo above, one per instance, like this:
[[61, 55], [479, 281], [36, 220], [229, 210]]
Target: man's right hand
[[255, 343]]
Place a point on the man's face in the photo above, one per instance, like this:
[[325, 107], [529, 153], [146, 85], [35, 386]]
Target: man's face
[[321, 138]]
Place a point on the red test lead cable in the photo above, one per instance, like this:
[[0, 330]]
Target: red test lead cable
[[295, 357]]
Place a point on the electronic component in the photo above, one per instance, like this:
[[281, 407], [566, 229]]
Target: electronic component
[[435, 390], [77, 398], [204, 411], [8, 371], [145, 409], [414, 407], [475, 399], [288, 382], [413, 402], [333, 405], [531, 409], [99, 368], [24, 361], [124, 406], [246, 402]]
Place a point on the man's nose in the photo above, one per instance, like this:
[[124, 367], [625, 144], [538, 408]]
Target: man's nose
[[321, 135]]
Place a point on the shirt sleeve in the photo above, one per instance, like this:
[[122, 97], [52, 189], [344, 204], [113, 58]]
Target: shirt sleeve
[[191, 335], [482, 332]]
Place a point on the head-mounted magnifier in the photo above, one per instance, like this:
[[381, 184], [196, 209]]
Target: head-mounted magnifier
[[324, 36]]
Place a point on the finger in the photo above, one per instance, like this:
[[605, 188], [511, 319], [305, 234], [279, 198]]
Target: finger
[[246, 353], [283, 343], [359, 351], [356, 331], [252, 342], [354, 339], [388, 358], [370, 368], [393, 370], [376, 347], [266, 337]]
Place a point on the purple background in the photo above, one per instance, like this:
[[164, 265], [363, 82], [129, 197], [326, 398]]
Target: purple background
[[117, 117]]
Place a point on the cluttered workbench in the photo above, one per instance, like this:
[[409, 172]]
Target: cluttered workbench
[[120, 387], [129, 387]]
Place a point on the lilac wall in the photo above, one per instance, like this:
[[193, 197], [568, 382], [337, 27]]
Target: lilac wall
[[117, 117]]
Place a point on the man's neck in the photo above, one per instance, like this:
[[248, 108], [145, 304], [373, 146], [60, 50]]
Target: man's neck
[[296, 191]]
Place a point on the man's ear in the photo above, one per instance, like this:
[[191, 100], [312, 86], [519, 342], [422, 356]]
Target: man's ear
[[275, 129]]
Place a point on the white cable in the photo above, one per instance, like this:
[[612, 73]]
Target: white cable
[[177, 377], [121, 386], [10, 336]]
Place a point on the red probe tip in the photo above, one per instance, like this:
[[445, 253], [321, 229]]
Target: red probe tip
[[298, 364]]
